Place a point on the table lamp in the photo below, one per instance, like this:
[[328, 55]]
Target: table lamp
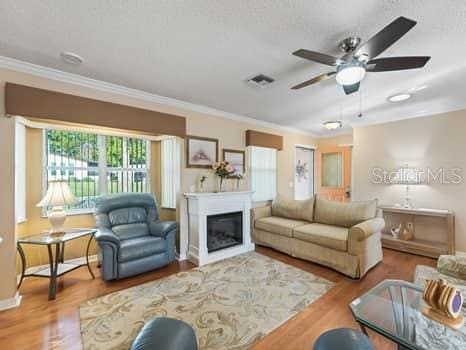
[[408, 176], [58, 194]]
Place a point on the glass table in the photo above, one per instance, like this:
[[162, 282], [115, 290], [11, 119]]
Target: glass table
[[394, 309], [57, 265]]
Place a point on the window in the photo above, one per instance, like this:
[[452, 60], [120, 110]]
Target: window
[[263, 165], [332, 169], [95, 164], [171, 169], [20, 172], [304, 173]]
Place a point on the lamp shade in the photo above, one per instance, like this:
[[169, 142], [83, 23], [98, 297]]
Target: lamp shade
[[58, 194]]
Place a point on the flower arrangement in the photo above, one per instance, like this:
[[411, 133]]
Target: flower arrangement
[[222, 170]]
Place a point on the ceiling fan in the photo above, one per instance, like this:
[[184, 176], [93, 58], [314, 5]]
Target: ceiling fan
[[353, 65]]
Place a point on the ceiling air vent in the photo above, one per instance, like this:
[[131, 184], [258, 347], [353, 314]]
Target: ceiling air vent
[[260, 80]]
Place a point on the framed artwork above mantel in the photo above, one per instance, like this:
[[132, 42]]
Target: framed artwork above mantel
[[236, 158], [201, 152]]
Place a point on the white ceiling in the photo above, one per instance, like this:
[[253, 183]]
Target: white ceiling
[[203, 51]]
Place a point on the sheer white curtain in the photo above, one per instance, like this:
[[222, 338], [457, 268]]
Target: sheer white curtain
[[263, 167], [171, 171]]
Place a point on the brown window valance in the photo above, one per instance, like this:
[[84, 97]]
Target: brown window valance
[[262, 139], [27, 101]]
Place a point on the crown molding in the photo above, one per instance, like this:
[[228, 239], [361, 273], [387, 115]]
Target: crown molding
[[75, 79]]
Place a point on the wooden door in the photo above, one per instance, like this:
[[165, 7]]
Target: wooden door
[[333, 173]]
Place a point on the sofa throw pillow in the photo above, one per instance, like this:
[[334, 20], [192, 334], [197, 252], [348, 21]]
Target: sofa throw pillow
[[293, 209], [344, 214]]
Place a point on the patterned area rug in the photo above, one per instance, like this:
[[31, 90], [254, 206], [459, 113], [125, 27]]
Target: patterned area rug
[[230, 304]]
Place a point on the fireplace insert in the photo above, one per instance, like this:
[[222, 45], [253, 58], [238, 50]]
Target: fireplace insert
[[224, 231]]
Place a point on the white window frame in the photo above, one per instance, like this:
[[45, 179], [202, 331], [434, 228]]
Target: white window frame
[[270, 193], [101, 168]]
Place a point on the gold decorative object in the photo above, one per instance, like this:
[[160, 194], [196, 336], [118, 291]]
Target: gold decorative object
[[444, 303]]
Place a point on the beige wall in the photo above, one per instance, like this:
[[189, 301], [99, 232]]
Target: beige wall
[[7, 206], [436, 142], [339, 140], [231, 134]]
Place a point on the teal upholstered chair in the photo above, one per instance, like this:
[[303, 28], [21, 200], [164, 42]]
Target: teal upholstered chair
[[131, 238]]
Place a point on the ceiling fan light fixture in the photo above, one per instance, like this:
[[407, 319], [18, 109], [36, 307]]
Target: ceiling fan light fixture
[[333, 124], [399, 97], [350, 75]]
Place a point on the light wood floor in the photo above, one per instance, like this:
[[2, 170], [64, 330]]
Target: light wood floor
[[42, 324]]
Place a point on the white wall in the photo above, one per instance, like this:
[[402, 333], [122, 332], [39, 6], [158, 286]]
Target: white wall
[[431, 142]]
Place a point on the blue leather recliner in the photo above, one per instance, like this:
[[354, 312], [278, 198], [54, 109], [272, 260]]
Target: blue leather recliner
[[131, 238]]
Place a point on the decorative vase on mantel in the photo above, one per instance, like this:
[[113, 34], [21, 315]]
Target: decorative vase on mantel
[[202, 181], [222, 170], [220, 187], [238, 177]]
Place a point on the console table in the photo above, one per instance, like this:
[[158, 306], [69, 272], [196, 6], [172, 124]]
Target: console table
[[57, 265], [434, 230]]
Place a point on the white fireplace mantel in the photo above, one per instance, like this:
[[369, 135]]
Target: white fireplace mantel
[[203, 204]]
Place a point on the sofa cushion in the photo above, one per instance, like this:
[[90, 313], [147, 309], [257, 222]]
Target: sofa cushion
[[344, 214], [293, 209], [334, 237], [138, 248], [278, 225]]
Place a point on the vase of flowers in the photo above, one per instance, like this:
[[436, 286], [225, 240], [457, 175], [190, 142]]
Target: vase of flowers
[[238, 177], [222, 170], [202, 179]]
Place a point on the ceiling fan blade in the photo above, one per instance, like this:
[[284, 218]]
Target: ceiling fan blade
[[349, 89], [318, 57], [396, 63], [314, 80], [386, 37]]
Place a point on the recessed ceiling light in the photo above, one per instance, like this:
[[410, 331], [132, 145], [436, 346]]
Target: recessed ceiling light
[[333, 124], [399, 97], [71, 58]]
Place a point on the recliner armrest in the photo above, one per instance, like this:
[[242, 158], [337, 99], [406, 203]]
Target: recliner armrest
[[162, 228], [107, 235]]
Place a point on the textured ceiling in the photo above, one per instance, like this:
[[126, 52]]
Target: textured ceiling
[[203, 51]]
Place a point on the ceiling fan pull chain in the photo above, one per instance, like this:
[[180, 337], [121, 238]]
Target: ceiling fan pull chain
[[360, 103]]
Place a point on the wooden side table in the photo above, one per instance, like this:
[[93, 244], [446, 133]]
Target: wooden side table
[[434, 230], [57, 265]]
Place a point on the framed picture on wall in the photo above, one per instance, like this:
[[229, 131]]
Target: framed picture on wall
[[236, 160], [201, 152]]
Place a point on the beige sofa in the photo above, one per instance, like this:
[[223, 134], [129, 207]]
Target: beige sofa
[[343, 236]]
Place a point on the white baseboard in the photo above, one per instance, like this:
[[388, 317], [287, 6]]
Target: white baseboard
[[77, 261], [10, 303], [180, 257]]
